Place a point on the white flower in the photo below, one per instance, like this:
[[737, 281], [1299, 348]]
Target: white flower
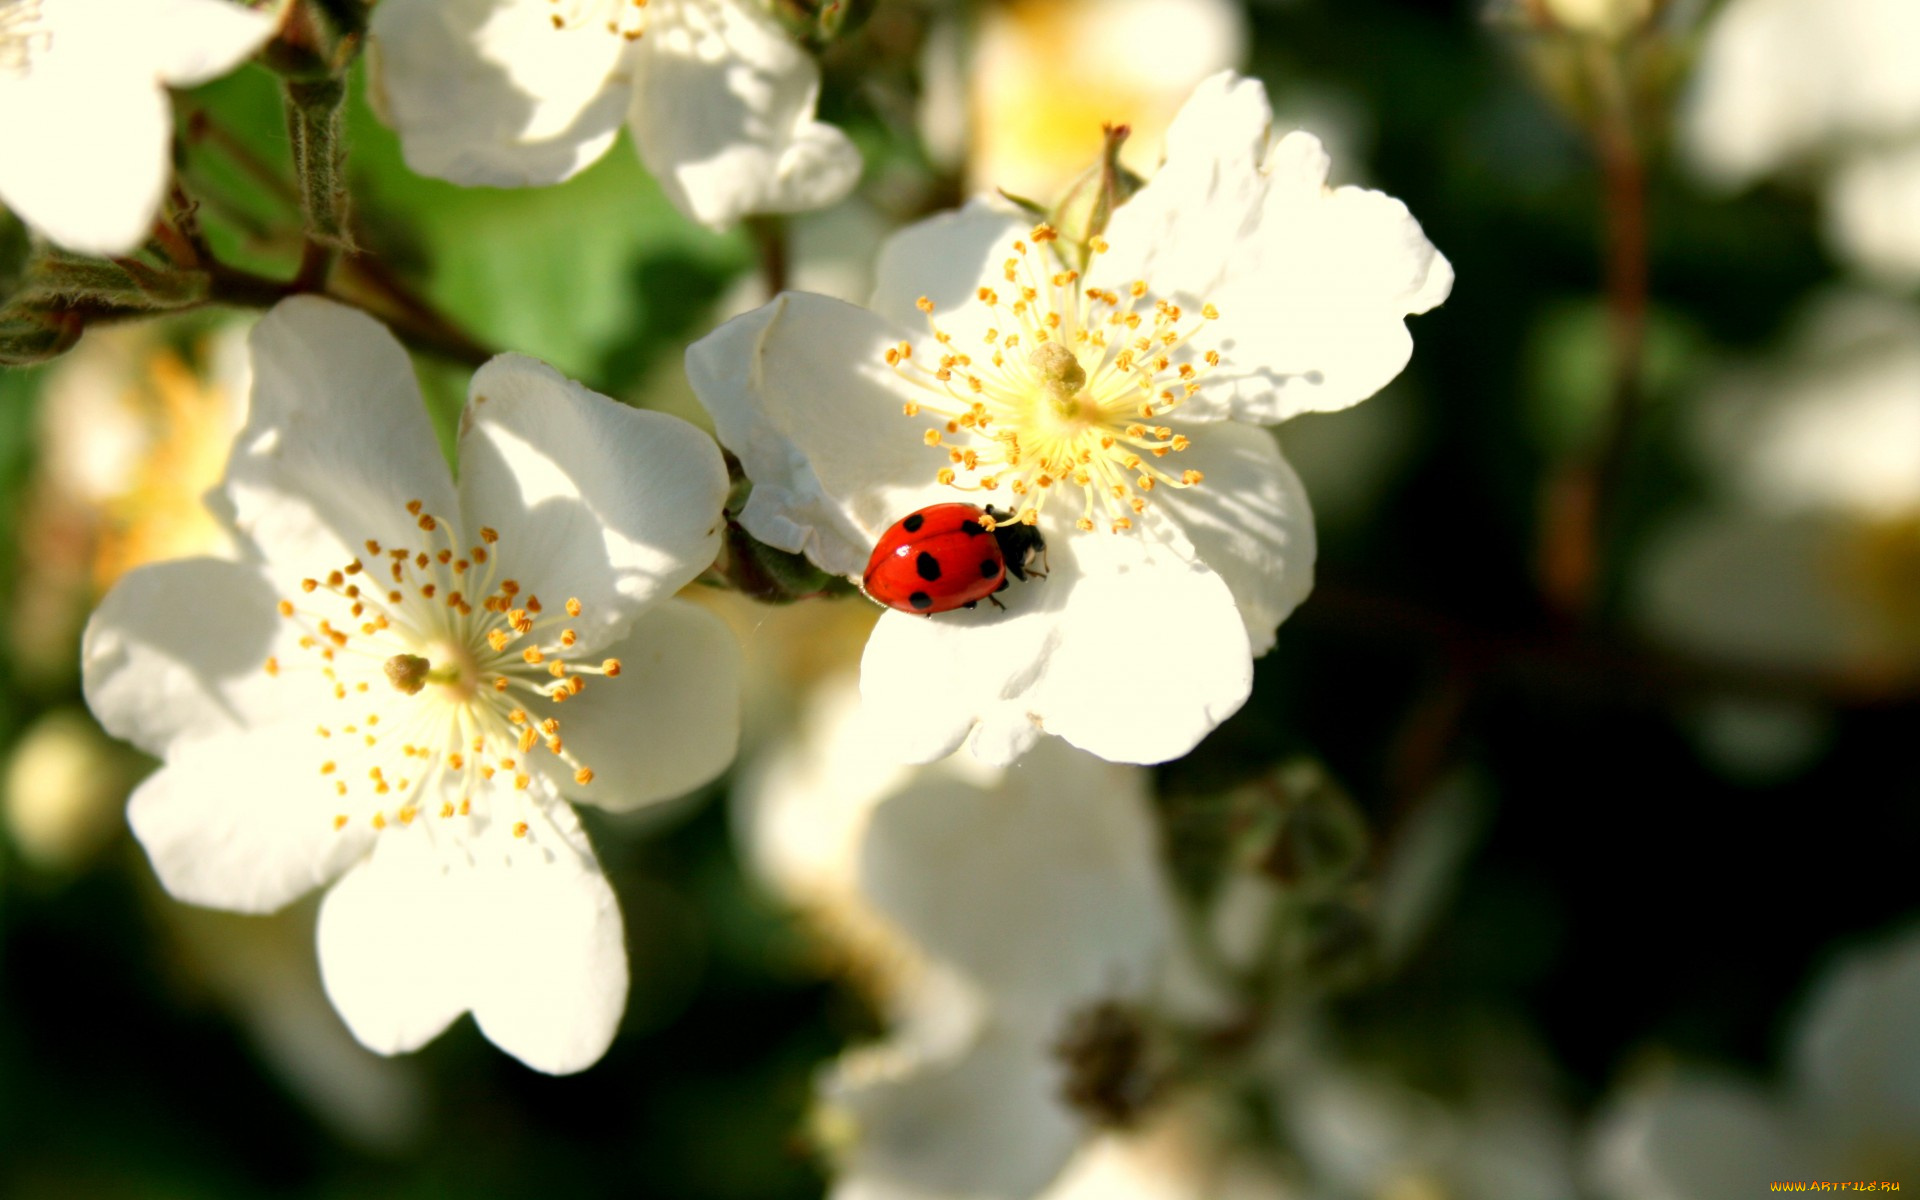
[[1850, 1110], [983, 908], [1042, 76], [510, 93], [1809, 556], [1238, 290], [374, 692], [1033, 899], [1834, 82], [85, 123], [1361, 1131]]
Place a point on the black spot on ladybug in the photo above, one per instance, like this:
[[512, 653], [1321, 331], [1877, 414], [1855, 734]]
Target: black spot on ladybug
[[988, 567], [972, 528], [920, 600], [913, 523], [927, 566]]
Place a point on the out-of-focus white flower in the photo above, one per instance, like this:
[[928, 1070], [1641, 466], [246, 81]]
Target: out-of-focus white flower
[[130, 437], [1119, 413], [62, 790], [1182, 1153], [1025, 898], [1835, 83], [1599, 18], [1043, 76], [1809, 558], [1364, 1133], [85, 122], [391, 684], [511, 93], [1850, 1110]]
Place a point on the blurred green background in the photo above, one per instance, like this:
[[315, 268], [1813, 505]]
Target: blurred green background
[[1622, 887]]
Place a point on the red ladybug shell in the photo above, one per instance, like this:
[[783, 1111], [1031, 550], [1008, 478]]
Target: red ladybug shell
[[937, 559]]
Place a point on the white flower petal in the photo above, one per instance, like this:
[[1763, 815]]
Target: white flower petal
[[799, 390], [83, 151], [1313, 284], [1694, 1138], [945, 258], [667, 724], [390, 941], [531, 942], [85, 122], [336, 442], [1070, 656], [986, 1125], [192, 41], [1045, 890], [723, 112], [236, 821], [549, 953], [608, 504], [1249, 521], [177, 651], [489, 92], [1183, 228]]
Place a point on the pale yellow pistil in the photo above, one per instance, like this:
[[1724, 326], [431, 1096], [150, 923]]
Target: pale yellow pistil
[[1064, 400], [437, 663], [624, 18]]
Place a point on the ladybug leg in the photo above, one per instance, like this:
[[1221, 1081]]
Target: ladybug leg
[[971, 604], [993, 599]]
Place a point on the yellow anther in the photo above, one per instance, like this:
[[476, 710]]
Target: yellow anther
[[583, 776], [573, 606], [610, 667], [519, 829], [286, 608]]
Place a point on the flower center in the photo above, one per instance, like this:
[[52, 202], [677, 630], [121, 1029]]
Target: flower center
[[22, 35], [1065, 394], [627, 18], [438, 669]]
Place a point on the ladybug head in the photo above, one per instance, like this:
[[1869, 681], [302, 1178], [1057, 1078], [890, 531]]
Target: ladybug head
[[1019, 544]]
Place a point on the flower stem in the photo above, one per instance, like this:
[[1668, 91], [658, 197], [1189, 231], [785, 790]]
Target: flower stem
[[314, 132], [1583, 502], [769, 235]]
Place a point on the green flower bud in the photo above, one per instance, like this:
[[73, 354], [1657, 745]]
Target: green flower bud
[[1083, 210], [29, 336]]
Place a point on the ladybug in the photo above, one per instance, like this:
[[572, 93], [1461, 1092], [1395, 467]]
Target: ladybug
[[944, 557]]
